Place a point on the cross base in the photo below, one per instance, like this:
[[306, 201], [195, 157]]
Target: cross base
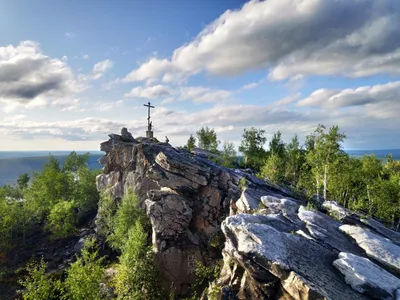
[[149, 134]]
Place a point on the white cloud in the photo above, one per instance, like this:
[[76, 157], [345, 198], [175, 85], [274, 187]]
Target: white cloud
[[69, 105], [320, 37], [287, 100], [107, 106], [85, 56], [249, 86], [70, 35], [151, 69], [102, 67], [88, 128], [15, 118], [203, 95], [148, 92], [64, 58], [29, 78], [196, 94], [382, 94], [365, 125]]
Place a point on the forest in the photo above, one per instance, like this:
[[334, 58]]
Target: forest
[[318, 170], [62, 198]]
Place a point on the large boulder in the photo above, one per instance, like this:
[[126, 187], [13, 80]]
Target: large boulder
[[366, 277], [297, 267], [394, 236], [375, 246], [325, 229]]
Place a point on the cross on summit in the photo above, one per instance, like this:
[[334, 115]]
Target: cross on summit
[[149, 132]]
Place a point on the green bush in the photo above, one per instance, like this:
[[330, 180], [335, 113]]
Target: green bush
[[62, 219], [39, 285], [137, 274], [206, 275], [105, 214], [273, 169], [85, 275], [85, 192], [128, 212], [243, 183]]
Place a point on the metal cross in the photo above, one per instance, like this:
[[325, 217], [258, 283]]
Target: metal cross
[[148, 105]]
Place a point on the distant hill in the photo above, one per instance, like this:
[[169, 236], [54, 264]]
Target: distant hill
[[13, 164], [378, 153]]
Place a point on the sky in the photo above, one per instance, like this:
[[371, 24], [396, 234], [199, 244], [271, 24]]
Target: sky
[[72, 72]]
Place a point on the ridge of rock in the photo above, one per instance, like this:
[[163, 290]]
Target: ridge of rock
[[274, 247]]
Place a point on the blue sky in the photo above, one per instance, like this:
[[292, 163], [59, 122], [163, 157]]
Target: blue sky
[[72, 72]]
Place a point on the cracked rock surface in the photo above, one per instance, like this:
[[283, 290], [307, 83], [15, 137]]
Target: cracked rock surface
[[274, 247], [366, 277]]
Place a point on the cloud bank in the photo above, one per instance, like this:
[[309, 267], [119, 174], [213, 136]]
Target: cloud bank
[[289, 38]]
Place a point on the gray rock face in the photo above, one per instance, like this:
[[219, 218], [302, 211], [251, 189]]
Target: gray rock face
[[170, 216], [376, 247], [301, 267], [126, 135], [290, 251], [380, 228], [366, 277], [325, 229], [186, 198]]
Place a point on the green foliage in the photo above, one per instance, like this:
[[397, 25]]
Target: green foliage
[[191, 143], [62, 219], [48, 187], [252, 147], [85, 275], [137, 274], [74, 162], [105, 214], [204, 276], [228, 155], [127, 214], [218, 240], [23, 180], [261, 205], [207, 138], [85, 193], [39, 285], [277, 146], [61, 196], [243, 183], [312, 206], [15, 222], [323, 154], [82, 282], [294, 160], [273, 169]]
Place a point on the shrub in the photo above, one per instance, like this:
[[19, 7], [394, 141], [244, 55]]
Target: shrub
[[137, 274], [39, 285], [62, 219], [85, 275], [105, 214], [128, 212], [243, 183]]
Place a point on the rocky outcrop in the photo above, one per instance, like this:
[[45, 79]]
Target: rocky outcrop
[[293, 265], [186, 198], [275, 248], [366, 277], [375, 246], [285, 251]]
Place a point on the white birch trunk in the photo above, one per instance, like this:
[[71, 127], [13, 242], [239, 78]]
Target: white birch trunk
[[325, 179]]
